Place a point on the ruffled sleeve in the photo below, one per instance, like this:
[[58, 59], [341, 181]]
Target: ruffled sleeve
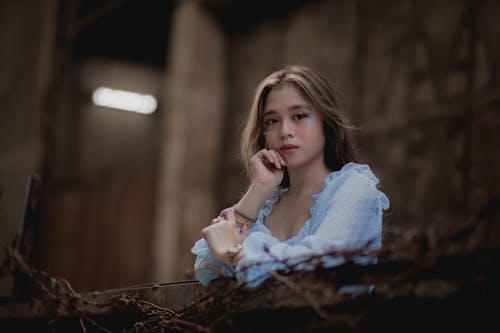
[[347, 214], [206, 268]]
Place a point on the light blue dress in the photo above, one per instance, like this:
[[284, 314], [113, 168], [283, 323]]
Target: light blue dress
[[346, 214]]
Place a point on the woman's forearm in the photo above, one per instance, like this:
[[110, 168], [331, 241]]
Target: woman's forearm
[[253, 199]]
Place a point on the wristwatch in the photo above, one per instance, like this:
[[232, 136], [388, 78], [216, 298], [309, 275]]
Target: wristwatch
[[232, 251]]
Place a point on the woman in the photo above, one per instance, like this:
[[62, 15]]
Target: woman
[[307, 196]]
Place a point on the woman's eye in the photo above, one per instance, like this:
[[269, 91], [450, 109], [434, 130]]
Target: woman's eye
[[301, 116], [269, 122]]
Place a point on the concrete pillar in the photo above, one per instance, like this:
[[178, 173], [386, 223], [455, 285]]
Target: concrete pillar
[[191, 133]]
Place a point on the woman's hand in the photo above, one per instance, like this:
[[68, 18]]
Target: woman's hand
[[267, 173], [267, 166], [222, 233]]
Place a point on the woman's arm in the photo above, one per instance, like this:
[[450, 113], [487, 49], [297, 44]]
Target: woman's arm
[[210, 251], [268, 172], [211, 260], [253, 200]]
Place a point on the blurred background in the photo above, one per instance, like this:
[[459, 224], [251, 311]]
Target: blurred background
[[125, 194]]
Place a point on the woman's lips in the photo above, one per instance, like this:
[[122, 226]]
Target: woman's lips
[[287, 148]]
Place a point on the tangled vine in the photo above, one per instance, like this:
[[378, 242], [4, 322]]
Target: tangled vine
[[421, 277]]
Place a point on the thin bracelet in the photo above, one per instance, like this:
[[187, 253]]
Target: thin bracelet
[[244, 216], [240, 222]]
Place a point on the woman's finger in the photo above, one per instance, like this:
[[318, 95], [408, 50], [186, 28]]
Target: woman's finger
[[230, 215], [269, 157], [277, 158], [217, 219], [262, 157], [223, 213], [204, 231], [280, 157], [244, 232]]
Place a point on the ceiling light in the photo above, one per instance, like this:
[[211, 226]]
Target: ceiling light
[[124, 100]]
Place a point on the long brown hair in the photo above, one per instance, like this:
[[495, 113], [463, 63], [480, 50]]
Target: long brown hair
[[339, 144]]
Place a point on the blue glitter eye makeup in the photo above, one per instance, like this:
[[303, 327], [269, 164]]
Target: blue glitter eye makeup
[[309, 120]]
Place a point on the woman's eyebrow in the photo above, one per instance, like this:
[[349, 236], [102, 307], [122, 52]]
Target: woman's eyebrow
[[269, 112], [290, 108], [298, 107]]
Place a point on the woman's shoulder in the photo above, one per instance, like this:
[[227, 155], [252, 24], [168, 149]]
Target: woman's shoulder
[[360, 178], [351, 171], [356, 179]]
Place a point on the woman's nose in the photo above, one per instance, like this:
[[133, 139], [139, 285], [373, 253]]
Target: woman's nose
[[287, 129]]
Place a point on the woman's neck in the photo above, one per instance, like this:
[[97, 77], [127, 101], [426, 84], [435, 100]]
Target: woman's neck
[[307, 180]]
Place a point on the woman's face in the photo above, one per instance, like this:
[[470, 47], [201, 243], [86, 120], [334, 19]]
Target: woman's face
[[293, 127]]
